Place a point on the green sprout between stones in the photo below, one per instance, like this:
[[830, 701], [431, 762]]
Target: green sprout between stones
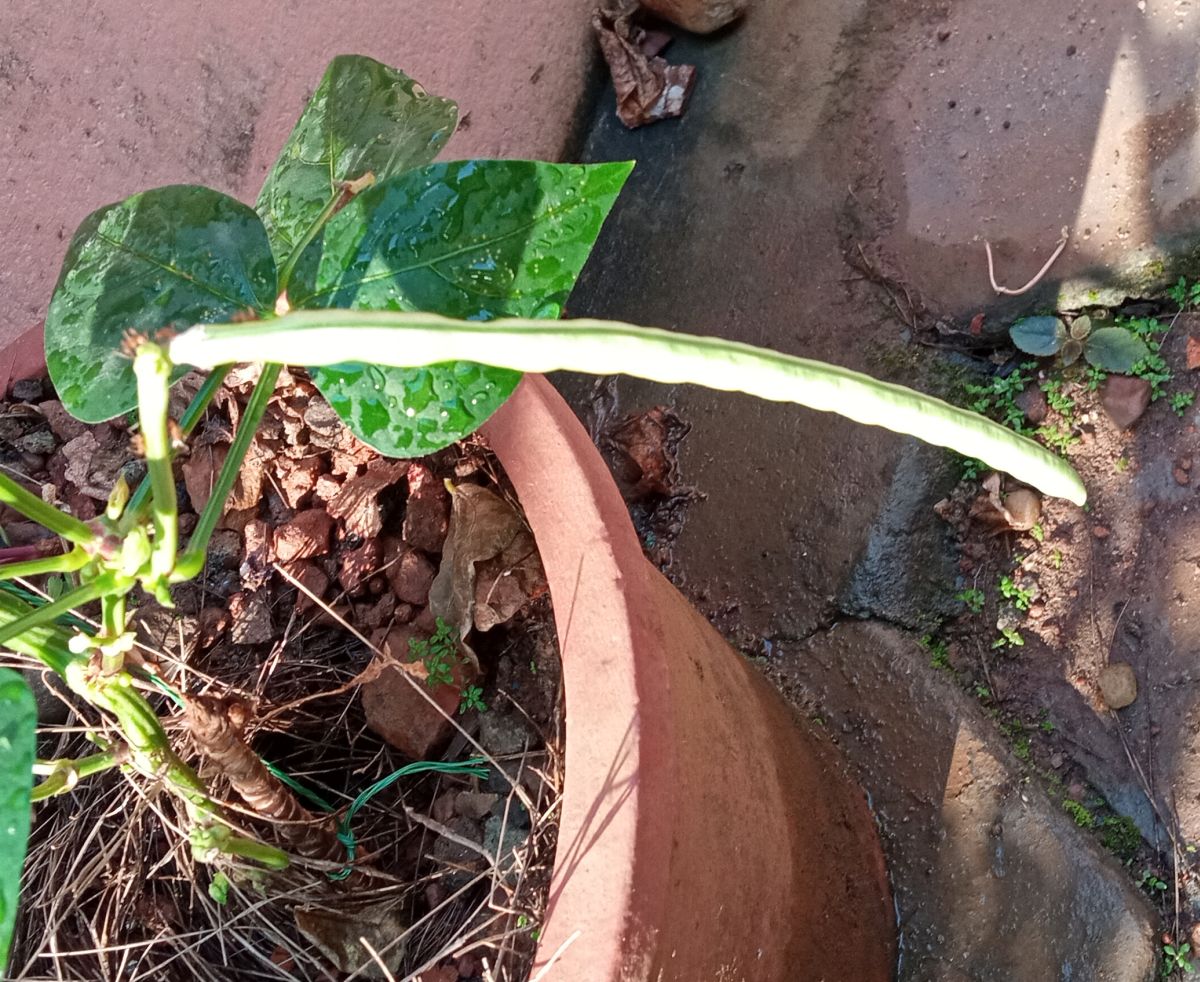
[[415, 293]]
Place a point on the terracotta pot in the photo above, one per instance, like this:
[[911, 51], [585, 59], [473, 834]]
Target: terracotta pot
[[705, 833]]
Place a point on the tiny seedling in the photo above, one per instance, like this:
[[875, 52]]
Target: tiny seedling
[[1009, 637], [973, 598], [472, 698], [1175, 958], [1018, 596], [1180, 401], [939, 651], [1080, 813], [1186, 295], [438, 652], [1151, 883], [1037, 533]]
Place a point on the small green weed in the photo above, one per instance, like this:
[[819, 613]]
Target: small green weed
[[1021, 598], [972, 598], [1180, 401], [1151, 883], [1010, 637], [939, 652], [1038, 533], [1079, 812], [1056, 558], [472, 698], [439, 652], [1185, 295], [1121, 465], [1175, 958], [1121, 837]]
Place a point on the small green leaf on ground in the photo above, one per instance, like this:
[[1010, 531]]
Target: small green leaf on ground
[[1115, 349], [1038, 335]]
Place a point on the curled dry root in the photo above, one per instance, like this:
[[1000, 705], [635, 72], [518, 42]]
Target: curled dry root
[[217, 725]]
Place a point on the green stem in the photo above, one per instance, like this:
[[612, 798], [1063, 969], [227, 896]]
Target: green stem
[[402, 339], [326, 213], [40, 616], [46, 515], [112, 619], [153, 372], [63, 775], [187, 423], [192, 560], [67, 562]]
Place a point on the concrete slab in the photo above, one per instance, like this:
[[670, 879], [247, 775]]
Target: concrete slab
[[991, 881], [101, 100], [978, 120]]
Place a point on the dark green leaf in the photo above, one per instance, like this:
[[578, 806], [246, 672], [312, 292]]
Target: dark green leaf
[[1071, 350], [1115, 349], [1038, 335], [470, 239], [363, 117], [175, 255], [18, 723]]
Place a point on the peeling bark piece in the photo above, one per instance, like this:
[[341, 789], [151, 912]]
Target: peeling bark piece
[[357, 503], [305, 536], [648, 89], [698, 16], [427, 514], [217, 726]]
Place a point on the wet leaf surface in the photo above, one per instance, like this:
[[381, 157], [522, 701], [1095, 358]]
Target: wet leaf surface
[[173, 255], [470, 239], [362, 117], [18, 720]]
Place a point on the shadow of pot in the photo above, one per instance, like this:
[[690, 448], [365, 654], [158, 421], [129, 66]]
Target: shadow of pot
[[705, 834]]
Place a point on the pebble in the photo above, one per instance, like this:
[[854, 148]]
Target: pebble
[[1181, 477], [28, 390], [1118, 685], [1100, 531]]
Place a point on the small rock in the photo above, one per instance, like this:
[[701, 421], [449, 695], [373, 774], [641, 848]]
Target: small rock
[[504, 840], [212, 624], [305, 536], [1032, 402], [1056, 760], [502, 734], [224, 549], [1181, 476], [38, 442], [28, 390], [64, 426], [1193, 352], [1024, 508], [1101, 531], [356, 566], [474, 804], [250, 618], [427, 516], [1118, 685], [314, 581], [1125, 398], [255, 569], [408, 571]]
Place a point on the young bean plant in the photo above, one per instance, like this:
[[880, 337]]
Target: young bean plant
[[415, 293]]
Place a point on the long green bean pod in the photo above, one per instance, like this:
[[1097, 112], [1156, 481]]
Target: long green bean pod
[[402, 339]]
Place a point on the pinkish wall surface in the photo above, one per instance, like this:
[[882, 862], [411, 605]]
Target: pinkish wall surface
[[99, 100]]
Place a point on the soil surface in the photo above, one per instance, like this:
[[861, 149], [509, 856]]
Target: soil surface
[[323, 639]]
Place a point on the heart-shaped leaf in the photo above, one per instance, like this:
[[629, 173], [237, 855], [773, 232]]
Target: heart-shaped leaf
[[18, 723], [1115, 349], [173, 255], [1038, 335], [469, 239], [364, 116]]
